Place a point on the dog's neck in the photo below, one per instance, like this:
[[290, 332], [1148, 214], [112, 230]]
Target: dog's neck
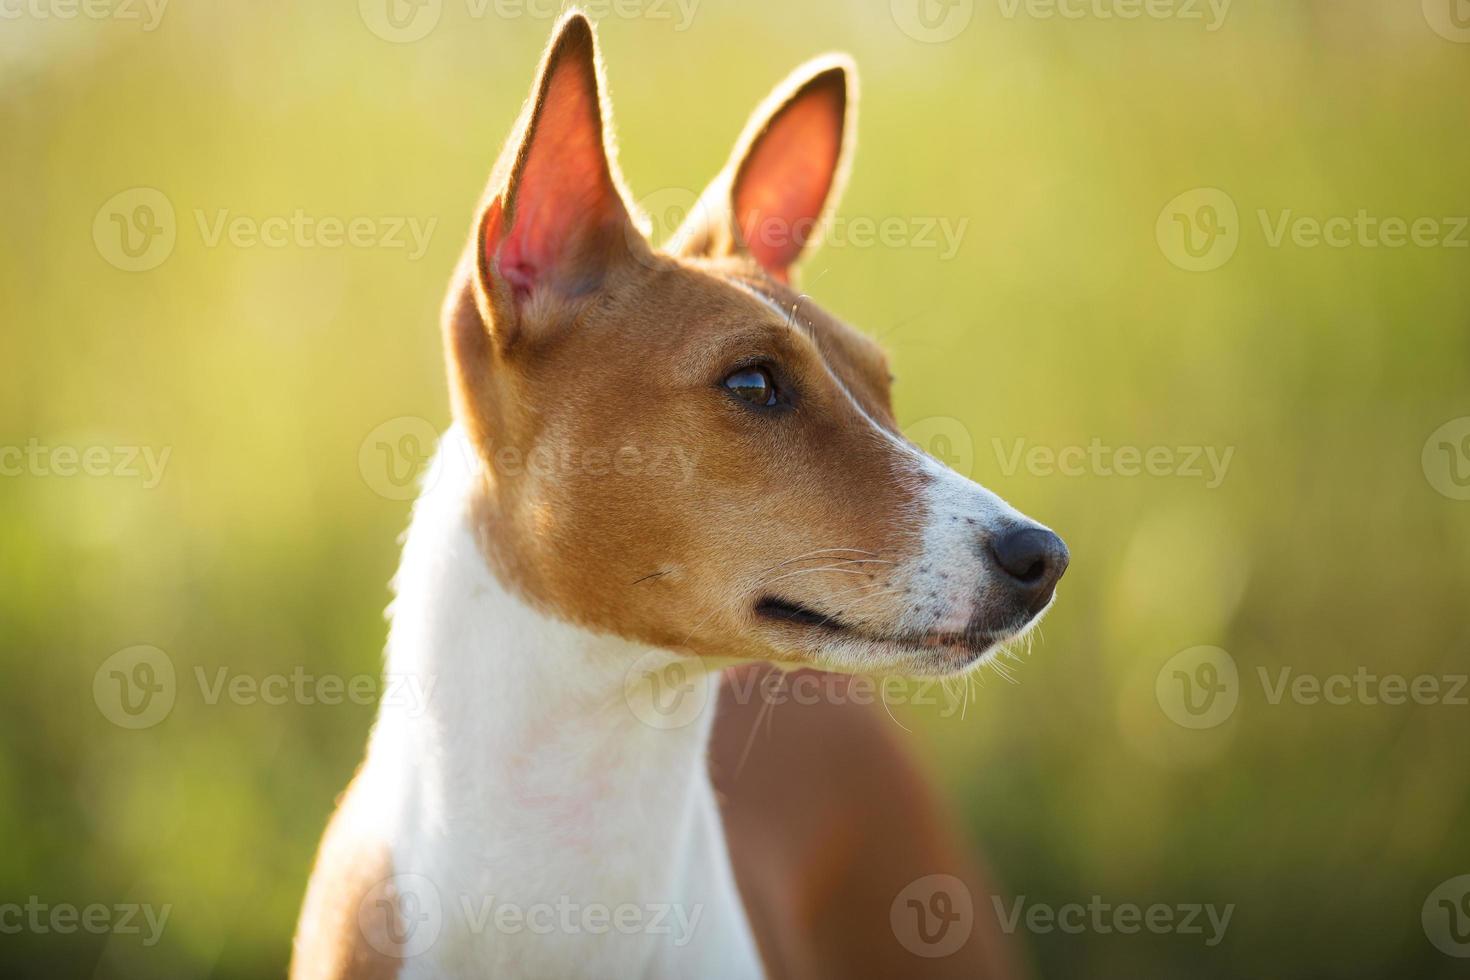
[[527, 767]]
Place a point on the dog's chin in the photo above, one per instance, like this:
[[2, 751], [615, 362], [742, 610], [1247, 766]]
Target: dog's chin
[[938, 655], [821, 641]]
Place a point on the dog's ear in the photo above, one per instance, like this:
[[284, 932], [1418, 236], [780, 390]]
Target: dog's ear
[[786, 173], [555, 220]]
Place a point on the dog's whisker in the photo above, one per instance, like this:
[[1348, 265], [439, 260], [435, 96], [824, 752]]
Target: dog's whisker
[[1000, 669], [700, 625], [768, 706], [859, 600], [813, 571], [888, 708], [856, 561], [819, 552]]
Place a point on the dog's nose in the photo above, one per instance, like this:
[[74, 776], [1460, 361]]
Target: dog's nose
[[1034, 560]]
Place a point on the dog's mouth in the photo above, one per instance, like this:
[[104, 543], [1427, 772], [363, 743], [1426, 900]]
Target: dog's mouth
[[967, 645], [784, 611]]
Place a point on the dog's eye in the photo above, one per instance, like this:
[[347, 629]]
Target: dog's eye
[[753, 384]]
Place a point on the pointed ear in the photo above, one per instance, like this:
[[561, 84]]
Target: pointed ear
[[556, 220], [786, 173]]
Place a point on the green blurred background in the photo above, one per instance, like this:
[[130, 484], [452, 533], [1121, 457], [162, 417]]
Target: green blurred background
[[1333, 544]]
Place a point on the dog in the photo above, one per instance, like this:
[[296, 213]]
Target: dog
[[564, 587]]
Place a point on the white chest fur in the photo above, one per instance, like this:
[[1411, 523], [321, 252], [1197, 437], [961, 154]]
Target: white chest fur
[[538, 826]]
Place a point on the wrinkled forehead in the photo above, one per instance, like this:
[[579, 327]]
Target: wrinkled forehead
[[854, 359]]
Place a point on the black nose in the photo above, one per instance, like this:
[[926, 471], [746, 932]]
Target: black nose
[[1034, 559]]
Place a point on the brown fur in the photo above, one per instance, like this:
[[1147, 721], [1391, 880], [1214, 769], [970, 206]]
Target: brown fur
[[828, 818], [348, 920], [584, 344], [761, 491], [636, 366]]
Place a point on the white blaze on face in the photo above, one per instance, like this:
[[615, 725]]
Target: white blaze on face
[[954, 573], [948, 580]]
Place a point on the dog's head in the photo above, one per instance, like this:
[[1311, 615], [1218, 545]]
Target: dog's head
[[680, 448]]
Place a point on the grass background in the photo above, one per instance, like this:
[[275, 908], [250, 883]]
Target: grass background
[[1059, 320]]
